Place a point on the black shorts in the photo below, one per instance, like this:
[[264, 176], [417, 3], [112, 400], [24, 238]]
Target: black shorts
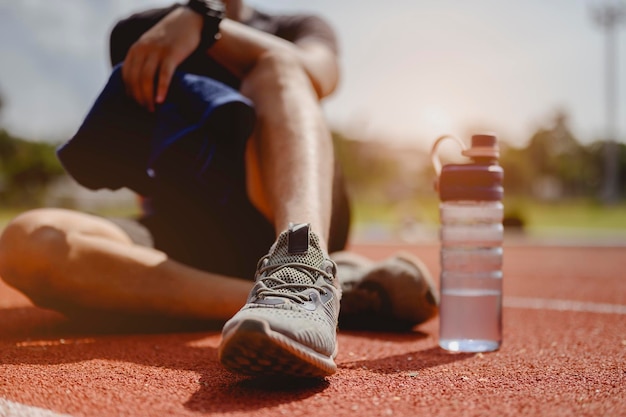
[[223, 236]]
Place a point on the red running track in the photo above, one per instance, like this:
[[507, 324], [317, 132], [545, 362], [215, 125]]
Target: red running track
[[564, 354]]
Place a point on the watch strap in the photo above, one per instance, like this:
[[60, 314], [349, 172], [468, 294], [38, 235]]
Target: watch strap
[[212, 12]]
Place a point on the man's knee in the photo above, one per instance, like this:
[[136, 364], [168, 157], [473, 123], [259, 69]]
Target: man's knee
[[275, 70], [279, 62], [28, 246]]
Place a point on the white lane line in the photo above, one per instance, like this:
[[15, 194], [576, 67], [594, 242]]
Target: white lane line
[[563, 305], [13, 409]]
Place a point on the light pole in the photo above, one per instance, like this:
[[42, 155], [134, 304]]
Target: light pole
[[608, 17]]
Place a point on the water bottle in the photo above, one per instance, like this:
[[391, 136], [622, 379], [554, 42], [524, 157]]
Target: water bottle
[[471, 234]]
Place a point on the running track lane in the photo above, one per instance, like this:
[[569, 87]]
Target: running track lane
[[564, 354]]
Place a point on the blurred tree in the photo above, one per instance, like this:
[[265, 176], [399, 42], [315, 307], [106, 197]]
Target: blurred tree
[[367, 166], [622, 168], [518, 170], [553, 165], [26, 168], [597, 158]]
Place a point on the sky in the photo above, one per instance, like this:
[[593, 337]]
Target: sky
[[412, 70]]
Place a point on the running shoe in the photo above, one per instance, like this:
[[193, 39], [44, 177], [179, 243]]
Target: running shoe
[[288, 325], [395, 294]]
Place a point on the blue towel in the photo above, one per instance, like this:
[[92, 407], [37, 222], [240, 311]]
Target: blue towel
[[197, 135]]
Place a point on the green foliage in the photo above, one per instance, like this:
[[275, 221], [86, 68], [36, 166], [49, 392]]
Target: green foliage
[[26, 168], [364, 166], [519, 170], [554, 165], [553, 181]]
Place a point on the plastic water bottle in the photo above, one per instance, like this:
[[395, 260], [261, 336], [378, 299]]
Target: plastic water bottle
[[471, 233]]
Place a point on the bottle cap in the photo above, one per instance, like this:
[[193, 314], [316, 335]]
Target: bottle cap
[[483, 146], [484, 140], [480, 180]]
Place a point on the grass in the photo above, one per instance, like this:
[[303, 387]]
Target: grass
[[539, 217], [580, 214], [574, 214], [7, 213]]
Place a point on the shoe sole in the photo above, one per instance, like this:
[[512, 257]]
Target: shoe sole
[[253, 348]]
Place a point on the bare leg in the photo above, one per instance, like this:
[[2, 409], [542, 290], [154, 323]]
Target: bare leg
[[290, 157], [290, 172], [63, 258]]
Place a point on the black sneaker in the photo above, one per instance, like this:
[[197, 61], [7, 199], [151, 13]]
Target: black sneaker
[[392, 295], [289, 324]]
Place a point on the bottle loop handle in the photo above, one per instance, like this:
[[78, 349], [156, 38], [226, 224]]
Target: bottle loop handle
[[435, 157]]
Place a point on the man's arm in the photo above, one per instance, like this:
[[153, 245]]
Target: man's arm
[[241, 46], [157, 54], [161, 49]]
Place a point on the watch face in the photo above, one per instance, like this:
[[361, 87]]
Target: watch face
[[216, 5], [210, 8]]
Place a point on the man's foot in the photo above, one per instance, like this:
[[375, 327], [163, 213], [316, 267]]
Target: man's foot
[[288, 325], [392, 295]]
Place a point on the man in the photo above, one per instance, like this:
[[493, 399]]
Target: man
[[179, 261]]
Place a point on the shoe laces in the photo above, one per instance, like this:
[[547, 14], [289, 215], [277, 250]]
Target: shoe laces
[[274, 286]]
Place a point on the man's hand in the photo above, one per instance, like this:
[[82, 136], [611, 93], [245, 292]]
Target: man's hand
[[157, 53]]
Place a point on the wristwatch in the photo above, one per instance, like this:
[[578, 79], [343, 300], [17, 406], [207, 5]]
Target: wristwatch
[[212, 11]]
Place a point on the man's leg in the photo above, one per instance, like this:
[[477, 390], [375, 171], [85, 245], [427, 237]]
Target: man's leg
[[288, 326], [290, 157], [70, 261]]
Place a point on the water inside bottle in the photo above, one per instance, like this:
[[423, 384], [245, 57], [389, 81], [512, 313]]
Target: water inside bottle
[[479, 331]]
